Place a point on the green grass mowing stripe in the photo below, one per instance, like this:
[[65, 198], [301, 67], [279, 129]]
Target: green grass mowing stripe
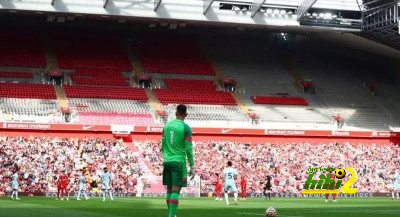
[[198, 207]]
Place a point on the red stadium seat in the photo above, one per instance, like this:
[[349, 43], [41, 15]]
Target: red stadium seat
[[172, 55], [16, 74], [279, 100], [19, 49], [97, 62], [27, 90], [125, 118], [106, 92], [191, 91]]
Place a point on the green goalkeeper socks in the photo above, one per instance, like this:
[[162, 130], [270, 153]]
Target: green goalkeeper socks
[[168, 198], [173, 203]]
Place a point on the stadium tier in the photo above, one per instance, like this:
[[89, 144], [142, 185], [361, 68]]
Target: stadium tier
[[109, 111], [97, 62], [37, 110], [279, 100], [109, 81], [27, 90], [172, 54], [121, 118], [16, 74], [17, 49], [339, 87], [105, 92], [192, 91], [110, 105], [211, 115]]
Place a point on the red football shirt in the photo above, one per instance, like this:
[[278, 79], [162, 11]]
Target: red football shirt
[[218, 183], [332, 178], [243, 183], [63, 180]]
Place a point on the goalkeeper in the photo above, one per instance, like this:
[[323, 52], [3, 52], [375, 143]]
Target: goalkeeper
[[176, 146]]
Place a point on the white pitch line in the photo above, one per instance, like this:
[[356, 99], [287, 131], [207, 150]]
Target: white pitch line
[[246, 213]]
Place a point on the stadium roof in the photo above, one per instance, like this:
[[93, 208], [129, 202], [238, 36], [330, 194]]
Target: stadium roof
[[352, 5]]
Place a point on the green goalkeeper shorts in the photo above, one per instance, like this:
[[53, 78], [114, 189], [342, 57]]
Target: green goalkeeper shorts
[[175, 174]]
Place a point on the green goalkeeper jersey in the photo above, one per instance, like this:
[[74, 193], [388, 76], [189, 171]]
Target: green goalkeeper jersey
[[177, 142]]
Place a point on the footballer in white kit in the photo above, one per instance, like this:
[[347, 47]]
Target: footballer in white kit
[[230, 175]]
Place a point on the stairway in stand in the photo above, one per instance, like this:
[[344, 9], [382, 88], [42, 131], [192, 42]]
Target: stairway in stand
[[61, 97]]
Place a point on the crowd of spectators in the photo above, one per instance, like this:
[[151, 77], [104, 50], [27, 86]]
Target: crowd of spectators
[[41, 159], [287, 163]]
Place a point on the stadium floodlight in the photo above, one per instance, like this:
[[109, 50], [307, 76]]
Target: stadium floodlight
[[276, 11], [269, 11], [321, 15], [52, 2], [334, 16], [304, 6], [314, 14], [328, 16], [283, 12]]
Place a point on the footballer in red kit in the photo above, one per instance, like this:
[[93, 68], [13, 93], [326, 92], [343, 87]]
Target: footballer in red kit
[[218, 187], [243, 187], [62, 185], [330, 187]]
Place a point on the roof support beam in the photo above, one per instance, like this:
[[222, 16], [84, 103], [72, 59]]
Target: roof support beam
[[255, 7], [52, 2], [105, 3], [304, 6], [206, 5], [157, 4]]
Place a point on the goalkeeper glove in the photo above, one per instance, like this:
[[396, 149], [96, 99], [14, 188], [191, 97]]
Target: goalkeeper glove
[[192, 172]]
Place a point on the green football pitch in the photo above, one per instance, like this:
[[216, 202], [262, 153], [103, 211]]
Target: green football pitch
[[197, 207]]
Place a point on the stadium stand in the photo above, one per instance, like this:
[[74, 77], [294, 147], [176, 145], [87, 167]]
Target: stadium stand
[[122, 118], [97, 62], [18, 49], [193, 91], [27, 90], [172, 54], [279, 100], [341, 90], [338, 87], [36, 107], [109, 111], [259, 72], [82, 104], [112, 81], [16, 74], [105, 92], [211, 114]]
